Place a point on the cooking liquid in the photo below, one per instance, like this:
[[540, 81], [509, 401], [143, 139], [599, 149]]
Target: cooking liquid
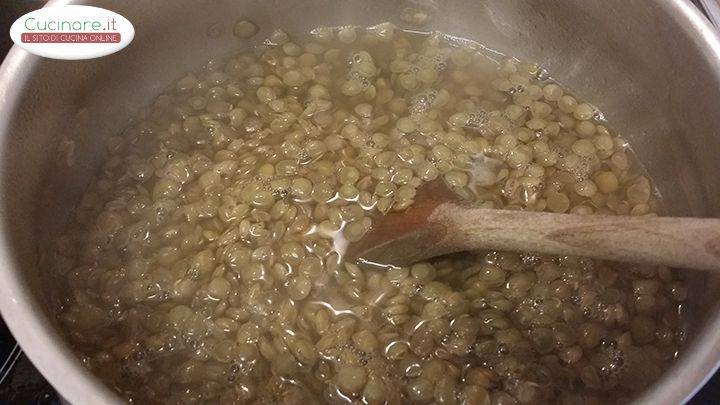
[[205, 263]]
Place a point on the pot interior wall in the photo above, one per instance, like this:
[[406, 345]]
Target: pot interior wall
[[656, 90]]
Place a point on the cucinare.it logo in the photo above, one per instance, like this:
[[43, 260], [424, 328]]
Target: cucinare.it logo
[[72, 32]]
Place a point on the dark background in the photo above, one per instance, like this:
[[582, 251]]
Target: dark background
[[21, 384]]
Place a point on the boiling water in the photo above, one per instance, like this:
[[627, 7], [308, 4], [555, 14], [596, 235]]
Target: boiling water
[[205, 263]]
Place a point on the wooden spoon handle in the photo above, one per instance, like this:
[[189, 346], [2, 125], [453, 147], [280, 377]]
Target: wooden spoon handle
[[679, 242]]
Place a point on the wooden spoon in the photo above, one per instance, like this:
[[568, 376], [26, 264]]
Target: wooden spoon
[[439, 223]]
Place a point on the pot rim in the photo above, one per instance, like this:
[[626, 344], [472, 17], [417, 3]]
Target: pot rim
[[76, 384], [20, 310]]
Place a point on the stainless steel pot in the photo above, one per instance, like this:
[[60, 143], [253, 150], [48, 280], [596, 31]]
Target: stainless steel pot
[[652, 66]]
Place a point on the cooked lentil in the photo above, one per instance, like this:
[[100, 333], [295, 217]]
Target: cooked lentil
[[205, 265]]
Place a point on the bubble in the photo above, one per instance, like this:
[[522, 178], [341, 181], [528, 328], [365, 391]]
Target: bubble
[[439, 62], [477, 118], [280, 193], [422, 102], [303, 157], [582, 170], [364, 80], [608, 344], [502, 349], [542, 75], [529, 259]]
